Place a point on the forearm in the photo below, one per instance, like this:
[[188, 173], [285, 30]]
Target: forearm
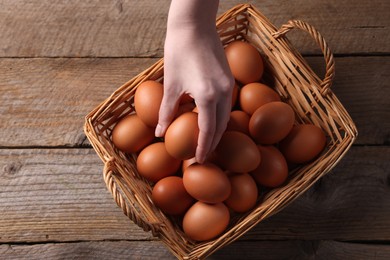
[[192, 13]]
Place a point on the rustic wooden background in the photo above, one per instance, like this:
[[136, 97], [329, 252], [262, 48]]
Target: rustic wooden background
[[59, 59]]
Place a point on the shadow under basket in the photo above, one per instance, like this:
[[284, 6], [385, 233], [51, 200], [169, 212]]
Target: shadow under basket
[[288, 73]]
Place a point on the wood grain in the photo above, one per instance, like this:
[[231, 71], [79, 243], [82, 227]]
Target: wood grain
[[43, 102], [59, 195], [60, 59], [267, 250], [298, 249], [126, 28], [341, 204]]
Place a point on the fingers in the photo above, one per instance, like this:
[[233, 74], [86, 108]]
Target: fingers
[[168, 109], [223, 116], [212, 121], [207, 126]]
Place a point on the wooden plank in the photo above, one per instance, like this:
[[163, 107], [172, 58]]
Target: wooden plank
[[88, 250], [87, 28], [342, 204], [307, 249], [59, 195], [137, 28], [362, 86], [289, 249], [43, 102]]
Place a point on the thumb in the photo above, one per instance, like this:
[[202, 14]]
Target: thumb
[[168, 109]]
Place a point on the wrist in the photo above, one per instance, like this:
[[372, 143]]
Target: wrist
[[193, 15]]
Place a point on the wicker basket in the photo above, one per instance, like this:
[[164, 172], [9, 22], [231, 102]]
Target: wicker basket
[[286, 70]]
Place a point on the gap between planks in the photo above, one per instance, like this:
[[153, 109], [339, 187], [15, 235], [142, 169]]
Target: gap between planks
[[296, 249]]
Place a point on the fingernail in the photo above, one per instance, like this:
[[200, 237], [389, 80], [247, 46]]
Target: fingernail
[[158, 131]]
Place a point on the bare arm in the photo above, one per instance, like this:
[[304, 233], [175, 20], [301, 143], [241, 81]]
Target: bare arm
[[195, 63]]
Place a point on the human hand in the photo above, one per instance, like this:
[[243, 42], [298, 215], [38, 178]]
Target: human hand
[[195, 63]]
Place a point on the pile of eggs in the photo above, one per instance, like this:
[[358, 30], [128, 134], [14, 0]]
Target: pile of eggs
[[261, 140]]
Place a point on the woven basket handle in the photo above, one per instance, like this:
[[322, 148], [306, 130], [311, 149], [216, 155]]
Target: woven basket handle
[[127, 208], [330, 69]]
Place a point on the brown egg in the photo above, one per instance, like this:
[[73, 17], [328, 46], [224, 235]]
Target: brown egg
[[181, 138], [239, 121], [272, 171], [245, 62], [154, 162], [206, 182], [244, 193], [304, 143], [209, 159], [205, 221], [237, 152], [254, 95], [184, 108], [186, 98], [130, 135], [147, 101], [171, 197], [271, 122]]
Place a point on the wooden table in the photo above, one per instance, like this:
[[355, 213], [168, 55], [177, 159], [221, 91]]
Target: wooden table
[[60, 59]]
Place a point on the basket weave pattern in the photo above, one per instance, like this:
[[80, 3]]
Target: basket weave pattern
[[287, 72]]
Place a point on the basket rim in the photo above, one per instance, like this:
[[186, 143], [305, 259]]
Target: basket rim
[[112, 165]]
